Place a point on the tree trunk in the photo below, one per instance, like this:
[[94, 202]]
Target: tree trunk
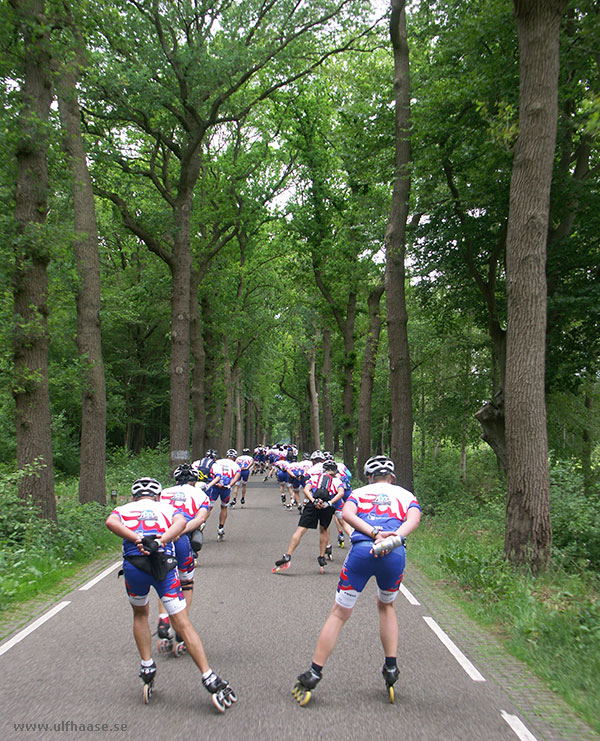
[[368, 375], [227, 428], [313, 397], [30, 286], [528, 537], [396, 315], [198, 372], [348, 383], [92, 465], [239, 410], [326, 407]]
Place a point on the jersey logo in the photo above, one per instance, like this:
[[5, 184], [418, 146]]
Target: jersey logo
[[382, 500], [148, 514]]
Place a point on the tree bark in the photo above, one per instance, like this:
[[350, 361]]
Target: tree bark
[[396, 315], [367, 378], [30, 286], [313, 397], [92, 465], [528, 537], [326, 407], [198, 372]]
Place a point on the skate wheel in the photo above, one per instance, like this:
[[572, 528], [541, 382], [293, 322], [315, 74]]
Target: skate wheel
[[322, 570], [179, 649], [232, 696], [147, 693], [226, 701], [164, 645], [391, 693], [217, 701]]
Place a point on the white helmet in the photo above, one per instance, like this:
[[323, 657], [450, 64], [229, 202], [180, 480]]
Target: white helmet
[[379, 465], [317, 456], [146, 487], [232, 453]]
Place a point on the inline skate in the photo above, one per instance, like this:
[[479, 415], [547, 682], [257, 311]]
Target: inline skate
[[322, 561], [147, 674], [179, 647], [390, 674], [165, 636], [341, 541], [328, 552], [303, 688], [282, 563], [222, 695], [220, 533]]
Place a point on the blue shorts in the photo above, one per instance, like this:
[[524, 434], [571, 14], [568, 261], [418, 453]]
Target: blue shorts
[[138, 583], [216, 492], [282, 477], [185, 558], [296, 483], [245, 475], [360, 565]]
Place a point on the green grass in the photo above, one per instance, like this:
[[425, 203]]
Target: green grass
[[551, 622]]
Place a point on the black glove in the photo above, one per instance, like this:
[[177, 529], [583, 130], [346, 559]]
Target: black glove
[[150, 543]]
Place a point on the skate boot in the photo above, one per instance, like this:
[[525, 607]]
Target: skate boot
[[328, 552], [232, 504], [222, 695], [147, 674], [282, 563], [303, 688], [322, 561], [242, 501], [220, 533], [390, 674], [283, 499], [164, 625], [341, 541], [165, 636], [179, 647]]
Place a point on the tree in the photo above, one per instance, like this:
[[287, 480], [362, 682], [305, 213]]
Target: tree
[[395, 242], [92, 485], [528, 536], [31, 254]]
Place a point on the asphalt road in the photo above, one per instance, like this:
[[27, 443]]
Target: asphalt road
[[75, 676]]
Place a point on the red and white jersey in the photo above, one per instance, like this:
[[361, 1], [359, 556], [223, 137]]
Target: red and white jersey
[[314, 470], [334, 483], [382, 505], [244, 462], [281, 464], [186, 500], [144, 516], [298, 469], [226, 469]]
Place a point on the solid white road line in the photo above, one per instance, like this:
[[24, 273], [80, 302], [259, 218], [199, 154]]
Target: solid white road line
[[30, 628], [518, 727], [100, 576], [409, 596], [455, 651]]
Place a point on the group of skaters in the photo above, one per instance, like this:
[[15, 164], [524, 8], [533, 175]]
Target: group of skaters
[[162, 534]]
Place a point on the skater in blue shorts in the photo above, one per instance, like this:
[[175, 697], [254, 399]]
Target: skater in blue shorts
[[382, 515]]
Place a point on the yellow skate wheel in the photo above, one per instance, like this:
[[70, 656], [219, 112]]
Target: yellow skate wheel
[[147, 693], [391, 691], [304, 698]]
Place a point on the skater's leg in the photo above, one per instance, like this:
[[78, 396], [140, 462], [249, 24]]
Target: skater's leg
[[296, 538], [182, 624], [222, 515], [388, 627], [141, 631], [330, 632], [323, 539]]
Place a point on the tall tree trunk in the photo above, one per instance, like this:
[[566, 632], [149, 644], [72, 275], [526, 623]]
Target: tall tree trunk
[[348, 383], [326, 406], [239, 409], [367, 378], [92, 466], [528, 537], [396, 315], [198, 372], [227, 428], [313, 398], [179, 365], [30, 287]]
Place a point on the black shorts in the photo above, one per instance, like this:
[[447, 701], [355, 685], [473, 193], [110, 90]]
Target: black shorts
[[311, 517]]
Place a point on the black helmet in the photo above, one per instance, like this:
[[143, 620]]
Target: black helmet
[[379, 465], [330, 465], [184, 473], [146, 487], [246, 451]]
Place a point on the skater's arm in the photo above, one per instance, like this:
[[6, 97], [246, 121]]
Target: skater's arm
[[114, 524], [194, 523], [411, 523], [173, 532]]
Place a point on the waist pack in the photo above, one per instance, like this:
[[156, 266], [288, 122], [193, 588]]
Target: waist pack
[[157, 564]]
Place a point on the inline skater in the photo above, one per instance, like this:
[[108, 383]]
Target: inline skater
[[203, 465], [283, 479], [297, 476], [246, 463], [322, 491], [382, 515], [225, 473], [148, 528], [194, 505]]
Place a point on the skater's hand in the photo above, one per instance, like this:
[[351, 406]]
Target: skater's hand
[[381, 535]]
